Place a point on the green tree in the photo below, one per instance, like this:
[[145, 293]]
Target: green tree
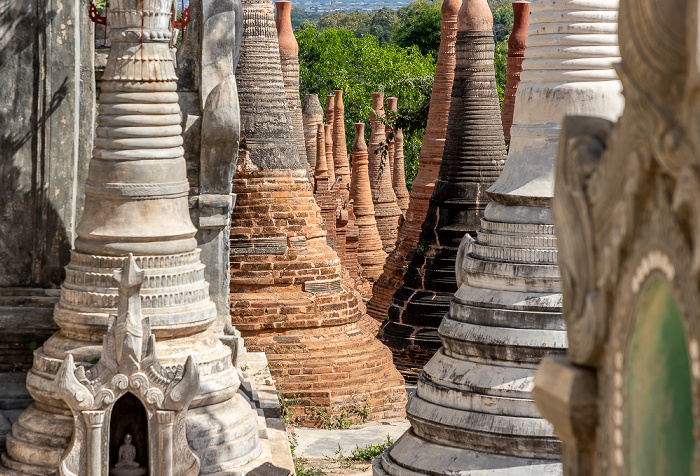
[[419, 25], [357, 22], [335, 59], [382, 21], [502, 19]]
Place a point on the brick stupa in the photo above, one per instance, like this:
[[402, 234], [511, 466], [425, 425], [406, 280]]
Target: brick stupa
[[428, 166], [472, 160], [516, 55], [398, 177], [289, 56], [312, 117], [287, 295], [370, 255], [386, 211], [392, 105]]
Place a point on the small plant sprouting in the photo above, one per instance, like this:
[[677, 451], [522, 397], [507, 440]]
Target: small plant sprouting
[[422, 247]]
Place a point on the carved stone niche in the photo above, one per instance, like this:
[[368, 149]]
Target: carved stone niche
[[127, 376]]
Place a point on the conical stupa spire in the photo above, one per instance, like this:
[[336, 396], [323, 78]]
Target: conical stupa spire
[[516, 55], [386, 211], [428, 166], [399, 175], [473, 407], [288, 298], [472, 160]]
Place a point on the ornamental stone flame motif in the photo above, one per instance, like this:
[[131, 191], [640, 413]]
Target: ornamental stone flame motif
[[473, 156], [428, 166], [128, 364]]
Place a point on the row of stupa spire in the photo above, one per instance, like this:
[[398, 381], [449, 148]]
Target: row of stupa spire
[[476, 291]]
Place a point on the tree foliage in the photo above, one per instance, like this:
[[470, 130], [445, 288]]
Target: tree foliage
[[419, 25], [335, 59]]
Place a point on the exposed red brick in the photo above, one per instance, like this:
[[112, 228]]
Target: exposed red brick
[[516, 55]]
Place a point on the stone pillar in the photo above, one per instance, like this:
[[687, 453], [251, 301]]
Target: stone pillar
[[94, 422], [137, 203], [473, 156], [370, 255], [312, 116], [289, 55], [287, 294], [386, 211], [399, 175], [428, 166], [505, 317], [516, 55], [165, 423], [47, 114]]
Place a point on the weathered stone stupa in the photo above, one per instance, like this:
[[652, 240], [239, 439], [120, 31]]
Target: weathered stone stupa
[[287, 294], [473, 157], [370, 256], [623, 399], [399, 175], [428, 167], [514, 62], [289, 55], [386, 211], [472, 405], [136, 204], [312, 117]]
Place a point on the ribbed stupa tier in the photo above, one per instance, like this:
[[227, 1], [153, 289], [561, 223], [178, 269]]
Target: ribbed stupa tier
[[514, 63], [392, 104], [330, 114], [370, 256], [289, 57], [136, 202], [399, 175], [472, 160], [312, 116], [287, 293], [472, 410], [386, 211], [428, 167]]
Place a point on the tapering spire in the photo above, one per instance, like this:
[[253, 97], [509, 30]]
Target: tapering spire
[[428, 166], [399, 175], [516, 55], [473, 156]]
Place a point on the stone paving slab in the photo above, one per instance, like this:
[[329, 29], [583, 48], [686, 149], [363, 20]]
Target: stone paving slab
[[316, 443]]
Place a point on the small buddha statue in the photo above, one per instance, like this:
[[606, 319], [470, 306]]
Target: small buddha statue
[[126, 462]]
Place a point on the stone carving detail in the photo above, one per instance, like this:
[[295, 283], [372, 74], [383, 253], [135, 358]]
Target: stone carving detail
[[128, 363], [474, 154], [428, 167], [626, 213]]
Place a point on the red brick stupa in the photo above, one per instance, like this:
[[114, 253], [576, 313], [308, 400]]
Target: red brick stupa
[[399, 175], [472, 160], [428, 166], [287, 295], [370, 255], [386, 211]]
